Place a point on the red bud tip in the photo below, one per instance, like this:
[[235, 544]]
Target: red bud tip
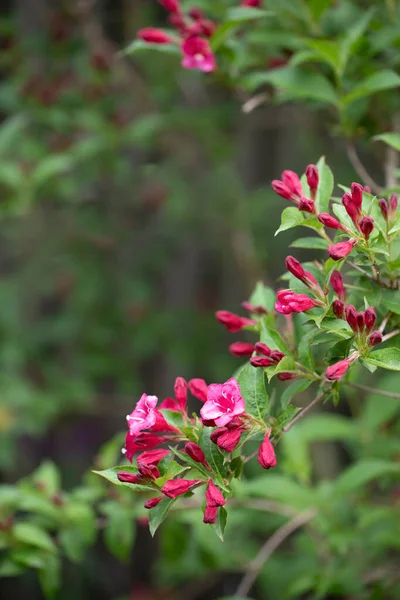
[[307, 205], [149, 471], [266, 454], [384, 208], [360, 321], [282, 190], [214, 495], [232, 322], [375, 338], [180, 389], [196, 453], [258, 361], [241, 349], [312, 178], [125, 477], [338, 309], [341, 250], [262, 348], [176, 487], [286, 376], [366, 226], [229, 440], [394, 201], [350, 207], [370, 319], [153, 36], [210, 514], [253, 3], [216, 434], [337, 370], [294, 267], [152, 503], [337, 284], [329, 221], [198, 388], [152, 457], [170, 5], [291, 179], [277, 356], [351, 317], [356, 194]]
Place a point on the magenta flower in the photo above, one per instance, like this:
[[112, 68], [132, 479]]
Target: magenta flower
[[337, 370], [153, 36], [341, 250], [143, 415], [224, 402], [266, 454], [176, 487], [197, 54], [198, 388], [288, 302]]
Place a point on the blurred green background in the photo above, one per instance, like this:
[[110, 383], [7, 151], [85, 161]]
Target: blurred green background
[[135, 201]]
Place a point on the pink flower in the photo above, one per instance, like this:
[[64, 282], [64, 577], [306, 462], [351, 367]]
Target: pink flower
[[152, 457], [126, 477], [266, 454], [196, 453], [375, 338], [262, 348], [170, 404], [143, 415], [214, 495], [261, 361], [366, 226], [370, 318], [138, 443], [197, 54], [255, 3], [338, 308], [224, 402], [210, 514], [312, 179], [228, 440], [176, 487], [232, 322], [341, 250], [291, 179], [337, 284], [329, 221], [153, 36], [384, 208], [199, 389], [180, 390], [153, 502], [288, 302], [241, 349], [170, 5], [337, 370]]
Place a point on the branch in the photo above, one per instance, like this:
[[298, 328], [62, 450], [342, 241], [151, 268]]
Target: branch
[[371, 277], [360, 169], [390, 335], [305, 410], [371, 390], [392, 157], [269, 548]]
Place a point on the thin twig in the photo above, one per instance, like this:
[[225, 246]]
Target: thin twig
[[269, 548], [384, 322], [371, 390], [371, 277], [392, 157], [254, 102], [390, 335], [305, 410], [360, 169]]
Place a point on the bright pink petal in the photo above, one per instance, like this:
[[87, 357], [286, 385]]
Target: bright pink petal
[[210, 411]]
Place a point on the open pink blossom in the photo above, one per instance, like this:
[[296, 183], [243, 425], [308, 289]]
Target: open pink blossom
[[288, 302], [197, 54], [139, 443], [224, 402], [143, 415]]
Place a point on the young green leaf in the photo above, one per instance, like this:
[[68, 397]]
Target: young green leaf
[[252, 388]]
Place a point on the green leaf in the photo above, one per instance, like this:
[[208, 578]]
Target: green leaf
[[318, 7], [111, 475], [328, 52], [389, 358], [138, 46], [220, 524], [391, 139], [280, 488], [213, 455], [352, 36], [362, 473], [391, 300], [325, 186], [9, 568], [159, 513], [263, 296], [52, 166], [378, 82], [50, 577], [326, 428], [287, 364], [32, 535], [294, 388], [272, 338], [252, 388], [286, 416], [378, 410], [48, 476], [234, 18], [119, 532], [10, 130], [291, 217], [310, 243], [297, 83]]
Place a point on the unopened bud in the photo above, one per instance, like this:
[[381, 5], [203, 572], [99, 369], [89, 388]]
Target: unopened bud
[[266, 454], [149, 471], [294, 267], [210, 514], [277, 356], [198, 388], [350, 207], [370, 319], [214, 495], [153, 36], [338, 308], [394, 201], [366, 226], [229, 440], [375, 338], [341, 250], [384, 208], [196, 453], [307, 205], [152, 502], [262, 348], [337, 370], [282, 190], [125, 477], [241, 349], [312, 179], [291, 179], [260, 361], [329, 221], [351, 316], [286, 376], [336, 281], [356, 194], [360, 321]]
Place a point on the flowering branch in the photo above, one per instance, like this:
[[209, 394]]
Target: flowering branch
[[305, 410], [372, 390], [269, 548]]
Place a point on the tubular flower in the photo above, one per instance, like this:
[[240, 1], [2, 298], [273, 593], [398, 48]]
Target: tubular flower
[[180, 389], [351, 209], [241, 349], [170, 404], [210, 514], [126, 477], [196, 453], [266, 454], [152, 35], [143, 415], [337, 370], [261, 361], [312, 179], [176, 487], [384, 208], [153, 502], [356, 195], [338, 308], [214, 495], [370, 319], [288, 302], [149, 471], [351, 316], [289, 187], [295, 268], [152, 457], [224, 402], [337, 284], [329, 221], [341, 250], [291, 179], [262, 348], [282, 190], [138, 443], [229, 439], [307, 205], [233, 322], [198, 388], [366, 226], [197, 54], [375, 338]]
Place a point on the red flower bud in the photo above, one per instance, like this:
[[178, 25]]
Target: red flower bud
[[341, 250], [214, 495], [232, 322], [312, 179], [196, 14], [356, 194], [294, 267], [258, 310], [329, 221], [210, 514], [338, 308], [259, 361], [282, 190], [176, 487], [262, 348], [291, 179], [180, 389], [394, 201], [196, 453], [277, 356], [241, 349], [337, 370], [149, 471], [255, 3], [129, 477], [351, 316], [350, 207], [152, 457], [366, 226], [152, 503], [384, 208], [178, 22], [170, 5], [307, 205], [236, 422], [375, 338], [336, 281], [153, 36], [207, 27], [370, 319], [360, 321], [266, 454], [286, 376], [229, 440], [216, 434], [198, 388]]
